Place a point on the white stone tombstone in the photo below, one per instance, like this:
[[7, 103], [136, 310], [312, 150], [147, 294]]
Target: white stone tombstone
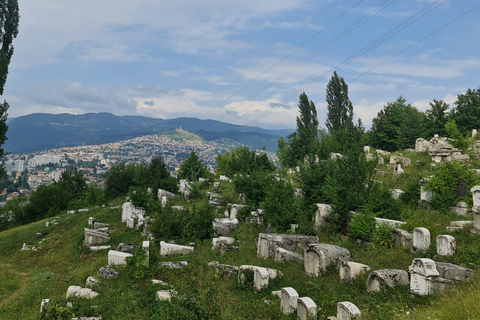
[[164, 201], [127, 209], [474, 133], [288, 300], [90, 221], [402, 238], [167, 249], [421, 240], [117, 257], [349, 270], [366, 149], [146, 248], [306, 309], [321, 255], [163, 295], [260, 278], [348, 311], [446, 245], [386, 278], [44, 304], [130, 223], [398, 169], [282, 255], [476, 198], [322, 213], [425, 195], [422, 272]]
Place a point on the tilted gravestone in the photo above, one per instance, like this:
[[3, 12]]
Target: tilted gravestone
[[421, 240], [446, 245]]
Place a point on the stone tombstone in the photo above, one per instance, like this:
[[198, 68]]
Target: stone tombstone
[[348, 311], [321, 255], [402, 238], [170, 195], [398, 169], [322, 214], [396, 193], [130, 223], [268, 242], [288, 300], [476, 198], [116, 258], [446, 245], [167, 249], [146, 248], [90, 221], [421, 240], [422, 273], [284, 255], [306, 309], [234, 210], [474, 133], [425, 195], [92, 282], [163, 295], [366, 149], [79, 292], [127, 210], [44, 304], [421, 145], [92, 237], [164, 201], [223, 227], [460, 208], [386, 278], [349, 270], [260, 278]]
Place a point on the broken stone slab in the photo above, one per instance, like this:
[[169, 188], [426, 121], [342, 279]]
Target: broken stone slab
[[306, 309], [402, 238], [349, 270], [25, 247], [421, 240], [163, 295], [116, 258], [267, 243], [98, 225], [174, 265], [167, 249], [79, 292], [321, 255], [234, 210], [92, 237], [446, 245], [451, 271], [163, 193], [163, 283], [260, 278], [125, 247], [224, 269], [98, 248], [92, 282], [288, 300], [453, 229], [348, 311], [387, 278], [226, 248], [461, 224], [284, 255], [107, 272], [322, 214], [389, 222], [225, 240], [460, 208], [396, 193], [223, 227], [44, 304], [272, 273]]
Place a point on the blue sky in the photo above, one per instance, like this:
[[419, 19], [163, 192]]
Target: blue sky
[[243, 62]]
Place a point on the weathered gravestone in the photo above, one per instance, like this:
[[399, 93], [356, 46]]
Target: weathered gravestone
[[348, 311], [288, 300], [260, 278], [422, 272], [223, 227], [386, 278], [306, 309], [117, 258], [349, 270], [167, 249], [92, 237], [322, 214], [282, 255], [476, 210], [234, 210], [402, 238], [268, 242], [421, 240], [446, 245], [321, 255], [79, 292], [92, 282]]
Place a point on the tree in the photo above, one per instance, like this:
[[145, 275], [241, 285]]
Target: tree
[[9, 19], [192, 168], [340, 109], [397, 126], [159, 176], [466, 114], [119, 180], [437, 117], [303, 142], [243, 161]]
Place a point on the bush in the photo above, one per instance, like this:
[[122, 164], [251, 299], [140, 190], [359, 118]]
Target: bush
[[362, 226], [381, 203], [281, 208]]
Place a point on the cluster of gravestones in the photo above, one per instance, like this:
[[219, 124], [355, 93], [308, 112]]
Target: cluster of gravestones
[[130, 213]]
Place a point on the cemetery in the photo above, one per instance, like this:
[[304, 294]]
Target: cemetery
[[243, 265]]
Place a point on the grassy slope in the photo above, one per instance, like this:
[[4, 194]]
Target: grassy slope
[[27, 277]]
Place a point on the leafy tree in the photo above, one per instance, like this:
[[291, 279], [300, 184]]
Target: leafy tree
[[119, 180], [159, 176], [303, 142], [243, 161], [437, 117], [280, 206], [397, 126], [340, 110], [72, 183], [9, 18], [192, 168], [466, 113]]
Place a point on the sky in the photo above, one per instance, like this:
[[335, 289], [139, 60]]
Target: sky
[[244, 62]]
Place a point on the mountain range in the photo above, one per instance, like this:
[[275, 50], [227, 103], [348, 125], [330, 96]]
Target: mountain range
[[43, 131]]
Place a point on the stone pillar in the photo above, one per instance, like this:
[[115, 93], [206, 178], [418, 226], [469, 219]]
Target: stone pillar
[[288, 302], [306, 309], [260, 278], [421, 240], [446, 245], [348, 311]]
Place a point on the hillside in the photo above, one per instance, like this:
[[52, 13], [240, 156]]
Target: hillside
[[58, 260], [41, 131]]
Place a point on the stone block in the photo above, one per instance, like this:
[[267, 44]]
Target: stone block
[[282, 255], [386, 278], [117, 258], [91, 282], [402, 238], [306, 309], [130, 223], [98, 248], [453, 272], [234, 210], [260, 278], [349, 270], [224, 269], [453, 229], [163, 295], [460, 208], [98, 225], [167, 249], [322, 214], [125, 247], [163, 193], [79, 292], [174, 265], [92, 237], [223, 227], [389, 222], [320, 256], [288, 300], [461, 224], [225, 240], [446, 245], [348, 311], [268, 242], [421, 240]]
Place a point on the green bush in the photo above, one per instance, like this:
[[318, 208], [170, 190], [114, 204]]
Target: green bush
[[281, 208], [362, 226], [381, 203]]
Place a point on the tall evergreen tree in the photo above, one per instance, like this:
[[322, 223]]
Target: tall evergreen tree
[[9, 19], [466, 113], [437, 117], [340, 109]]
